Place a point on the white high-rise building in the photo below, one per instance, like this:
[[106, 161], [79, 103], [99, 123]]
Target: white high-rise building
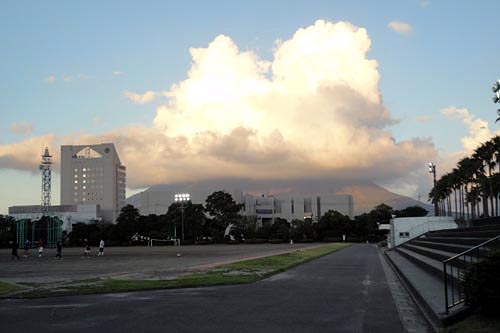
[[93, 174]]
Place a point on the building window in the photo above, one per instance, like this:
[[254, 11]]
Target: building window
[[404, 234]]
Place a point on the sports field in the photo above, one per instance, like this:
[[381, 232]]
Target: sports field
[[161, 262]]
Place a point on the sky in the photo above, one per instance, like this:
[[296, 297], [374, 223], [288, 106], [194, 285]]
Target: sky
[[197, 90]]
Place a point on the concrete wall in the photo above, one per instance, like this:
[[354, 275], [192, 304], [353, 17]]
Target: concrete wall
[[405, 228], [69, 214]]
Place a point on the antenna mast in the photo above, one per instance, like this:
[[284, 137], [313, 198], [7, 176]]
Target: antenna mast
[[45, 167]]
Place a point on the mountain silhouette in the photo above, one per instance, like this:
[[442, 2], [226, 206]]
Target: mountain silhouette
[[366, 195]]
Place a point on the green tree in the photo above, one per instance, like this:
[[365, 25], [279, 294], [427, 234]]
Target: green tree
[[194, 220], [334, 224], [127, 224], [412, 211], [7, 230], [280, 229], [302, 230], [223, 210]]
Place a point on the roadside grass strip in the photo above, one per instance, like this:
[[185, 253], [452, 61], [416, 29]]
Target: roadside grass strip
[[236, 273], [8, 288]]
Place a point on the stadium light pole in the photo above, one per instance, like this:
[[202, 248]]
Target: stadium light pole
[[496, 97], [432, 169], [182, 198]]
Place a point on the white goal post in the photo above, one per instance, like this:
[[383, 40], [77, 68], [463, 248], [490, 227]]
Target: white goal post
[[152, 241]]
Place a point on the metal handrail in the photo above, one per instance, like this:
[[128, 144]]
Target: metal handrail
[[459, 273]]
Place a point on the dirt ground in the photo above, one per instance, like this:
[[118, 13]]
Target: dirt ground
[[161, 262]]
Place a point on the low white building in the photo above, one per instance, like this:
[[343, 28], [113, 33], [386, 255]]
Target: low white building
[[69, 214], [403, 229]]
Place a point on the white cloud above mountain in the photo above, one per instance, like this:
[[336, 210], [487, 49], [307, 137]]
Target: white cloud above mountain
[[314, 110]]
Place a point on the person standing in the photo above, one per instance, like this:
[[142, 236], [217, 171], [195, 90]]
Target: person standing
[[14, 246], [86, 248], [59, 250], [101, 248], [39, 245], [27, 246]]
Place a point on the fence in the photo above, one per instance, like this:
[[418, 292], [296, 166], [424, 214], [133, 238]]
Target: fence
[[454, 270], [48, 229]]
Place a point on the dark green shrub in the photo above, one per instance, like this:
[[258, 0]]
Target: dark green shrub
[[482, 285], [332, 239]]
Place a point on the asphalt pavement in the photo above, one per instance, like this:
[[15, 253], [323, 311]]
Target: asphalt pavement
[[346, 291]]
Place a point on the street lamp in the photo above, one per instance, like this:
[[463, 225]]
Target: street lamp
[[432, 169], [182, 197], [496, 97]]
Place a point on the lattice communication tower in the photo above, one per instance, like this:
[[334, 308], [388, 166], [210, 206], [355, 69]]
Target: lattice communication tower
[[45, 167]]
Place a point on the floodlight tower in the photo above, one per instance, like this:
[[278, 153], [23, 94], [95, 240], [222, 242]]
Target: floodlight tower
[[432, 169], [45, 167], [496, 97], [182, 198]]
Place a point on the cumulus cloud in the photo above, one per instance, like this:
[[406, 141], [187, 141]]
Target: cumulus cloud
[[117, 73], [314, 110], [400, 27], [50, 79], [22, 128], [424, 119], [478, 129], [147, 97], [25, 155]]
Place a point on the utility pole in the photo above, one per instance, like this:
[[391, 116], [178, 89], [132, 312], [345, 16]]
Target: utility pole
[[432, 169]]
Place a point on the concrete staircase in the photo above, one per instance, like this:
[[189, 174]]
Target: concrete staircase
[[419, 263]]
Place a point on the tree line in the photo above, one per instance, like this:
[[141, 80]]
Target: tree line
[[202, 224], [471, 188], [207, 223]]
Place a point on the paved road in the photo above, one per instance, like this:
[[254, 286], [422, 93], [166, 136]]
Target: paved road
[[342, 292]]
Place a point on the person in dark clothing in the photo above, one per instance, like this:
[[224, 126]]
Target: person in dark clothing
[[14, 246], [27, 246], [86, 248], [59, 250]]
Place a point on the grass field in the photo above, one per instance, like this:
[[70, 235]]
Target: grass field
[[7, 288]]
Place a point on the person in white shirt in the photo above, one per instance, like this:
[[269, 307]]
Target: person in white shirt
[[101, 248]]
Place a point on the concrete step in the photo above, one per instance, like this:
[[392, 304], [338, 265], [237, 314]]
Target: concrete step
[[487, 234], [470, 241], [436, 254], [431, 266], [492, 227], [427, 289], [444, 246]]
